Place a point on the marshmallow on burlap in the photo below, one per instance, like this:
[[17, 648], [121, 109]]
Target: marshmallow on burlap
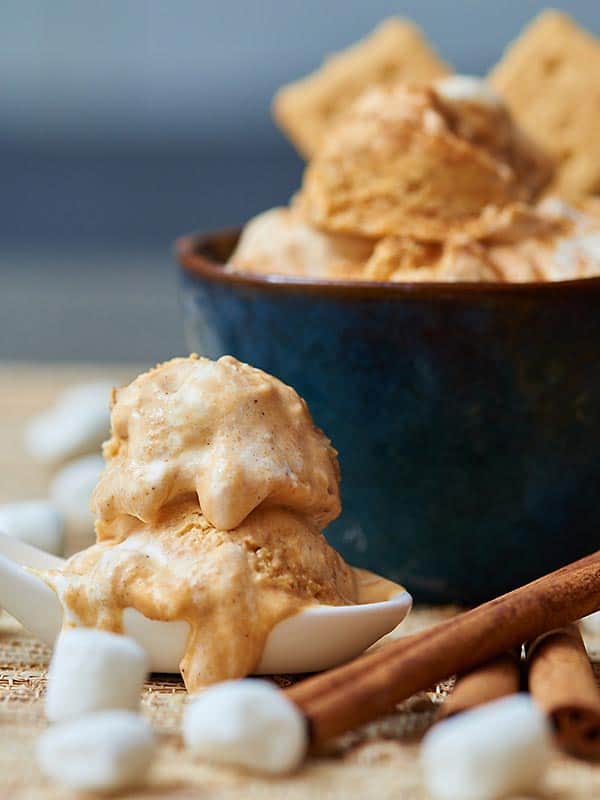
[[36, 522], [76, 425], [94, 670], [496, 750], [101, 752], [71, 491], [247, 723]]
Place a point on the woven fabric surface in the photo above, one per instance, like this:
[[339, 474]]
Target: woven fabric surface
[[379, 760]]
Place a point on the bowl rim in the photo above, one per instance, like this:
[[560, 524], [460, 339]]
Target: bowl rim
[[192, 253]]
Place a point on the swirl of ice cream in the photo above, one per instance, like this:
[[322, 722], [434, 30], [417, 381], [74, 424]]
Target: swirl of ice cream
[[224, 431]]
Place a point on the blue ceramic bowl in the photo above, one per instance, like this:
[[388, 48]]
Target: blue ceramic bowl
[[467, 417]]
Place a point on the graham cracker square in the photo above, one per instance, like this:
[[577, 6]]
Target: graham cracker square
[[395, 52], [550, 78]]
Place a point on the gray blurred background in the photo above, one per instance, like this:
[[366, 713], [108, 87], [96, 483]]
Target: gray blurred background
[[124, 123]]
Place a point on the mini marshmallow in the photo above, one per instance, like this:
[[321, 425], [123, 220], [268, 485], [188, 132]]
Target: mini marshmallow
[[101, 752], [248, 723], [467, 88], [36, 522], [76, 425], [496, 750], [70, 491], [93, 670]]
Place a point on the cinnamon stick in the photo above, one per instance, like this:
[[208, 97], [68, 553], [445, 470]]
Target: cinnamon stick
[[497, 678], [562, 682], [372, 685]]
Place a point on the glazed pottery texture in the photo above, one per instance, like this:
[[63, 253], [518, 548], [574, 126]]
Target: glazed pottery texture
[[466, 416]]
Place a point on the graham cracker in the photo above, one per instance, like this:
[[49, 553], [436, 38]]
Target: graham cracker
[[395, 52], [550, 79]]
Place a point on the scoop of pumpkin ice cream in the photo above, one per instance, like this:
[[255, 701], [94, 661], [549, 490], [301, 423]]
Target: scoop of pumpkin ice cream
[[279, 242], [477, 114], [232, 587], [517, 244], [403, 260], [408, 161], [224, 431], [210, 511]]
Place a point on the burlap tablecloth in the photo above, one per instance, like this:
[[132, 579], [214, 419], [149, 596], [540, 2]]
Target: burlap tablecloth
[[378, 762]]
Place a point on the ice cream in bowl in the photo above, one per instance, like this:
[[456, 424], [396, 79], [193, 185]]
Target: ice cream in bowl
[[210, 514], [435, 296], [424, 184]]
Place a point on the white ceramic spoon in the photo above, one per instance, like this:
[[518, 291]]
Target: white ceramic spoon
[[314, 639]]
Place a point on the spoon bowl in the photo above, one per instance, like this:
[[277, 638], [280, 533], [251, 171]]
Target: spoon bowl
[[317, 638]]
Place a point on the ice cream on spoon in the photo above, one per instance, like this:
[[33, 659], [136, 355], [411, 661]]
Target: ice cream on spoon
[[210, 510]]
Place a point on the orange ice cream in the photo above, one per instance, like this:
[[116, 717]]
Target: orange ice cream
[[424, 184], [210, 510], [228, 433], [280, 242], [518, 243], [415, 162], [521, 243]]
